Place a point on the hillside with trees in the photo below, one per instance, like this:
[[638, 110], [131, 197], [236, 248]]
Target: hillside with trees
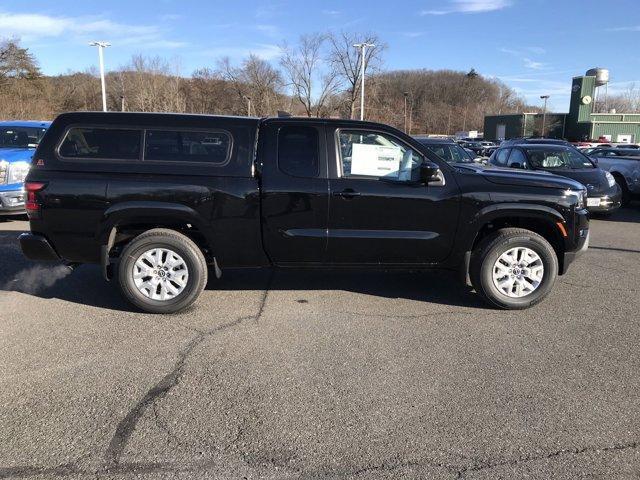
[[317, 76]]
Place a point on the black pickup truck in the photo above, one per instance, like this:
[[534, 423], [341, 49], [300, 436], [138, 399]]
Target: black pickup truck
[[160, 199]]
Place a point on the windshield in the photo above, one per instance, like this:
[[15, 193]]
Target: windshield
[[450, 152], [20, 137], [558, 158]]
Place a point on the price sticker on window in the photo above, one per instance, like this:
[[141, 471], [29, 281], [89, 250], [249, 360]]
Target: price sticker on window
[[375, 160]]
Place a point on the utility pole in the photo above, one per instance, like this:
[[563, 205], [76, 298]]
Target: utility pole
[[101, 46], [248, 105], [406, 94], [363, 61], [544, 112]]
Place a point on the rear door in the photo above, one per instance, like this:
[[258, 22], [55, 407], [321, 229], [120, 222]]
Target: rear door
[[294, 190], [379, 212]]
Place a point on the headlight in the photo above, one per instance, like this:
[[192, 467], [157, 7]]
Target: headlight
[[17, 172], [580, 196], [3, 171], [610, 179]]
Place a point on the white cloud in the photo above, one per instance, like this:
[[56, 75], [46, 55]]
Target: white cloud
[[533, 64], [33, 26], [331, 12], [470, 6], [527, 61]]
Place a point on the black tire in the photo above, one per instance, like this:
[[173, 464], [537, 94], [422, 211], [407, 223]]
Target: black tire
[[176, 242], [486, 254], [626, 194]]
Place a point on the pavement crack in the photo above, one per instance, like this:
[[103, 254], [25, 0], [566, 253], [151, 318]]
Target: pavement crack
[[558, 453], [127, 425]]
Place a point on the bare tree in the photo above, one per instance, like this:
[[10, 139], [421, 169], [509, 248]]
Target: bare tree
[[257, 80], [313, 80], [347, 62]]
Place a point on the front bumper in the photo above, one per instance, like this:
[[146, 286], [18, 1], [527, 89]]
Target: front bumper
[[12, 202], [37, 247], [581, 242], [605, 203]]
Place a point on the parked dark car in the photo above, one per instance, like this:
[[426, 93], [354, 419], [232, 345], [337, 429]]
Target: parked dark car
[[156, 198], [448, 150], [598, 152], [534, 141], [604, 195], [476, 147]]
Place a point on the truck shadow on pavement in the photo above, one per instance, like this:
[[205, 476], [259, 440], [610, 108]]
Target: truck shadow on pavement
[[85, 284]]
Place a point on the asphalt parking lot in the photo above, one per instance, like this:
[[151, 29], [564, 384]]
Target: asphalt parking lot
[[323, 375]]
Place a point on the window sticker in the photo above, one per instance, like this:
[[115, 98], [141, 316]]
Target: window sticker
[[375, 160]]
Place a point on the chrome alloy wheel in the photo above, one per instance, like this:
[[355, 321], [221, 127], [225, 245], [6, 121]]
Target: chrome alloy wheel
[[518, 272], [160, 274]]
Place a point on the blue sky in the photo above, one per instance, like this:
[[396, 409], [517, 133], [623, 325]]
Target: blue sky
[[535, 46]]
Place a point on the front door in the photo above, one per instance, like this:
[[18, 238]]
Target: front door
[[380, 213], [294, 190]]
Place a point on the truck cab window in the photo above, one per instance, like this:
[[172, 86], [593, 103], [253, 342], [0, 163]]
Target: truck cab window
[[105, 143], [374, 154], [298, 151], [183, 146]]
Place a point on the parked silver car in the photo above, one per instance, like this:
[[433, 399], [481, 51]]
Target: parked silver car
[[625, 170]]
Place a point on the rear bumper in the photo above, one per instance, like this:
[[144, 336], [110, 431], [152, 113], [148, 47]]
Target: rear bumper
[[37, 247], [12, 201]]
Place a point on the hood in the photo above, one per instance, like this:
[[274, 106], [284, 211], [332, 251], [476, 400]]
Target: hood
[[593, 178], [524, 178], [16, 154]]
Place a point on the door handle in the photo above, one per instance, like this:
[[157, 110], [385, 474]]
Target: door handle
[[347, 193]]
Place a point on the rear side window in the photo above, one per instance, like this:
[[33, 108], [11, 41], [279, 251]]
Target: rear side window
[[104, 143], [298, 151], [187, 146], [517, 159], [501, 157]]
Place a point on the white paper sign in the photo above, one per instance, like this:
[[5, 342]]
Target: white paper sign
[[375, 160]]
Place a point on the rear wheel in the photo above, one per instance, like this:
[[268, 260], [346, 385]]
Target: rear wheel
[[162, 271], [513, 268]]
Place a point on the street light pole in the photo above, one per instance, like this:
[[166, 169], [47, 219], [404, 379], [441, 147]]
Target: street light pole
[[101, 46], [544, 112], [363, 61], [248, 106]]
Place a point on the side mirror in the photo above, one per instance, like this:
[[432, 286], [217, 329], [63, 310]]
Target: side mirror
[[429, 172]]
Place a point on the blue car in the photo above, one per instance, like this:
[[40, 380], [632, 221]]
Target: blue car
[[18, 142]]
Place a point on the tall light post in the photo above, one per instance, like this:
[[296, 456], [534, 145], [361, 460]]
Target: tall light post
[[363, 61], [544, 112], [101, 46], [248, 105]]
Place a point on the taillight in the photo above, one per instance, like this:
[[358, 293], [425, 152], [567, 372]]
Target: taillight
[[31, 202]]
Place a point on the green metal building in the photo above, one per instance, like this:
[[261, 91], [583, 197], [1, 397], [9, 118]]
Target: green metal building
[[579, 124]]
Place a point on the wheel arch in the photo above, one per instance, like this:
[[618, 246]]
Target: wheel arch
[[537, 218], [126, 220]]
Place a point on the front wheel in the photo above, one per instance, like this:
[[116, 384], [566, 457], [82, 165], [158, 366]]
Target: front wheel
[[513, 268], [162, 271]]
